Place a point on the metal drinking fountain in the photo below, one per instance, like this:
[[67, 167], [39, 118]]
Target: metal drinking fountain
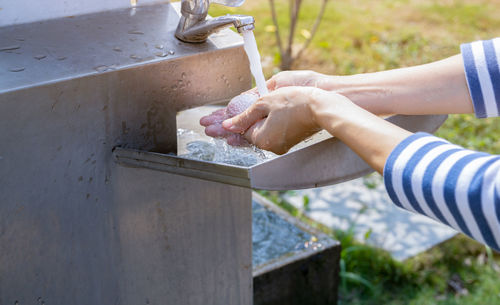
[[95, 207]]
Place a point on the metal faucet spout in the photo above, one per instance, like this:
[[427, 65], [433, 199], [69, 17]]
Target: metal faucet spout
[[194, 27]]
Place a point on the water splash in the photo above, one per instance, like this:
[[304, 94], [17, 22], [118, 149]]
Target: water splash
[[40, 56], [254, 59], [201, 148]]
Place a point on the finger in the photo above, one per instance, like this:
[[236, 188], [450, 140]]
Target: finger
[[214, 117], [261, 135], [216, 131], [252, 135], [243, 121]]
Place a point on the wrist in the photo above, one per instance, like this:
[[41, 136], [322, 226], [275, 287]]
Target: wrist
[[330, 110]]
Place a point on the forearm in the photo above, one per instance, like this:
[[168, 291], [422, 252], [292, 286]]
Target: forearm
[[436, 88], [371, 137]]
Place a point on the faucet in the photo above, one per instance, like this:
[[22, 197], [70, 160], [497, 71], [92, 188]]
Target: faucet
[[194, 27]]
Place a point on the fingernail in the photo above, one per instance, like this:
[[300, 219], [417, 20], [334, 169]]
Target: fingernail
[[228, 124]]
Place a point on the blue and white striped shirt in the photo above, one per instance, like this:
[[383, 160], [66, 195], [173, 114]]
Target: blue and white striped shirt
[[453, 185]]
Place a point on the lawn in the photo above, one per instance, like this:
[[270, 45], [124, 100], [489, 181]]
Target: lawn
[[359, 36]]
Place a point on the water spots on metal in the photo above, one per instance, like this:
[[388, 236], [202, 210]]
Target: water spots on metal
[[159, 46], [19, 38], [40, 56], [125, 130], [171, 52], [117, 49], [80, 178], [135, 32], [17, 69], [161, 54], [10, 48], [136, 57], [60, 58], [101, 68]]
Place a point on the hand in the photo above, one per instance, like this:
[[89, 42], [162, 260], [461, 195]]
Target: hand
[[213, 122], [281, 119], [288, 115], [238, 104]]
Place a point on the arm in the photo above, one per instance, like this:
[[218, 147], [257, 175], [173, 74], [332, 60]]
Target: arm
[[435, 88], [422, 173]]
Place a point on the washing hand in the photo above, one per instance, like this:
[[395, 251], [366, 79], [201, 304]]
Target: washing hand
[[279, 120], [213, 122]]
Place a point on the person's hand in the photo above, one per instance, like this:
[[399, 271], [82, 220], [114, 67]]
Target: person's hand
[[213, 122], [283, 118]]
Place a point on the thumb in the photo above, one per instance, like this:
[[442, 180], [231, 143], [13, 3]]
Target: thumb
[[241, 122]]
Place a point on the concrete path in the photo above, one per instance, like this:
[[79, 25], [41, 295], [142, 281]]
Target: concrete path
[[402, 233]]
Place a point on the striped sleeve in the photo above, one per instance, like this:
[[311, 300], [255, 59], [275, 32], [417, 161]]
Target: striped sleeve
[[481, 63], [455, 186]]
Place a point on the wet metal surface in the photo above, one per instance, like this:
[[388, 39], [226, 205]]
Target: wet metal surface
[[74, 227]]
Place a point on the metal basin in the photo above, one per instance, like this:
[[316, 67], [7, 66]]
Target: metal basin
[[322, 160]]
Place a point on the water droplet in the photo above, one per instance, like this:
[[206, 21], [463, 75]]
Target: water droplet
[[10, 48], [174, 87], [133, 56], [136, 32], [20, 39], [161, 54], [101, 68], [159, 46], [171, 52], [132, 39], [241, 78], [117, 49], [61, 58], [188, 83], [184, 75], [39, 56], [16, 69]]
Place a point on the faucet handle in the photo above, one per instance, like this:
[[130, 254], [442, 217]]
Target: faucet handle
[[233, 3]]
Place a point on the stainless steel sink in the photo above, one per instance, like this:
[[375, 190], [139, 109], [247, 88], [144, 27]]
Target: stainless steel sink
[[74, 227]]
